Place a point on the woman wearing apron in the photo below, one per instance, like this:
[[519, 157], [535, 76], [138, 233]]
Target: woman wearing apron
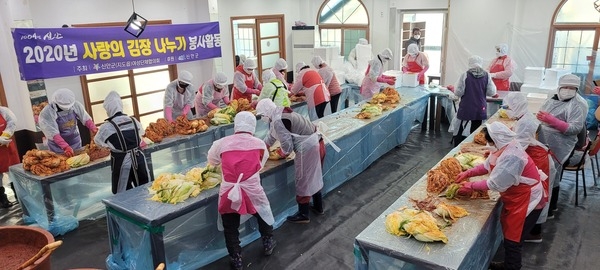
[[373, 76], [212, 95], [245, 83], [8, 149], [501, 68], [415, 62], [309, 82]]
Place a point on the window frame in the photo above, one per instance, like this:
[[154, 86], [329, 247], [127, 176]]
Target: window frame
[[343, 26]]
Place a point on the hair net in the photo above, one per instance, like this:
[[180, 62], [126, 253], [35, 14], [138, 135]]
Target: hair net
[[299, 66], [220, 79], [281, 64], [265, 107], [185, 77], [363, 41], [242, 59], [475, 61], [569, 80], [502, 48], [413, 48], [268, 76], [317, 60], [250, 63], [526, 128], [386, 54], [500, 133], [517, 104], [112, 103], [64, 98], [244, 122]]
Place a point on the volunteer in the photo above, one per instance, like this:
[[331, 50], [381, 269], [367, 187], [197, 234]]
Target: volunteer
[[415, 62], [501, 68], [563, 121], [355, 55], [328, 76], [245, 83], [514, 174], [274, 89], [58, 122], [472, 88], [212, 94], [241, 195], [415, 38], [179, 97], [280, 70], [8, 149], [296, 133], [309, 82], [240, 59], [370, 85], [122, 134]]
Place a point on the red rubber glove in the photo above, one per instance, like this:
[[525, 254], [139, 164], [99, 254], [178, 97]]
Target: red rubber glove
[[390, 81], [476, 171], [450, 87], [404, 69], [281, 153], [551, 120], [596, 90], [69, 151], [381, 79], [143, 144], [90, 125], [465, 189], [169, 114], [480, 185], [253, 91], [260, 87], [226, 100], [212, 106], [186, 109]]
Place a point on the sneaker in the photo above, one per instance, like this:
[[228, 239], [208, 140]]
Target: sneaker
[[550, 215], [317, 211], [537, 238], [298, 218], [269, 244]]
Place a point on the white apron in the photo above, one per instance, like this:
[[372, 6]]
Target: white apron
[[307, 165]]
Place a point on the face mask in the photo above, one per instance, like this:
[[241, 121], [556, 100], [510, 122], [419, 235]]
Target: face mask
[[183, 85], [64, 108], [564, 94], [249, 71], [413, 54], [417, 36], [491, 148], [265, 119], [499, 54]]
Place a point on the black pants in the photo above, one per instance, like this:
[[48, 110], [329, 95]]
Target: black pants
[[334, 102], [459, 137], [321, 109], [231, 225], [513, 250]]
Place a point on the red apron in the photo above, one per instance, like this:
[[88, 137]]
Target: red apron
[[9, 154], [249, 83], [515, 201], [498, 66], [414, 67], [540, 158]]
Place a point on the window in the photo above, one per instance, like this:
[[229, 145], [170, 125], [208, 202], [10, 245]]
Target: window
[[244, 36], [342, 23], [141, 90]]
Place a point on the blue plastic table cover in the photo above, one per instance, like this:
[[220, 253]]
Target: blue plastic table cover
[[144, 233], [472, 240]]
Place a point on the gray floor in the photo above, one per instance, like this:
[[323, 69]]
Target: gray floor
[[570, 240]]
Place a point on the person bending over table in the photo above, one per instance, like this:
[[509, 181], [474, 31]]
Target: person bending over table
[[241, 195], [374, 75], [326, 72], [179, 97], [309, 82], [274, 89], [514, 174], [296, 133], [212, 94]]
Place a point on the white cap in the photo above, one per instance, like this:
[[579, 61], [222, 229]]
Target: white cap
[[220, 79], [386, 54], [500, 133], [413, 48], [475, 61], [250, 63], [185, 77], [299, 66], [244, 122], [265, 107], [363, 41], [281, 64], [64, 98], [517, 104], [112, 103], [569, 80], [316, 61], [268, 76], [502, 48]]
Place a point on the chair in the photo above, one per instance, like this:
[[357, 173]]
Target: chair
[[579, 167], [594, 149]]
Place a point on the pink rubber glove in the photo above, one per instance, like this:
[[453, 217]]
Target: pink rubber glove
[[253, 91], [212, 106], [260, 86], [596, 90], [476, 171], [466, 189], [381, 79], [143, 144], [169, 114], [554, 122], [186, 109], [281, 153], [63, 145], [69, 151], [390, 81], [226, 100], [90, 125], [404, 69], [450, 87], [421, 76], [480, 185]]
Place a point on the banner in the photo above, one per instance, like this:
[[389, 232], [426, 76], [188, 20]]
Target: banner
[[59, 52]]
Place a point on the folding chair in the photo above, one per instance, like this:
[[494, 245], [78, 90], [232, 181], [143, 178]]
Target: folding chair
[[579, 167]]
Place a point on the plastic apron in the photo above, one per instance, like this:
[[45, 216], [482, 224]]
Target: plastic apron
[[515, 208], [67, 125], [498, 66], [317, 92], [9, 153], [307, 165], [249, 83], [544, 161], [252, 189], [368, 87], [123, 161], [414, 67], [203, 110], [363, 56]]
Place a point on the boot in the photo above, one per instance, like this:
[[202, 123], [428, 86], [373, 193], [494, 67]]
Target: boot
[[269, 244], [236, 261], [302, 216], [12, 186], [4, 202], [317, 206]]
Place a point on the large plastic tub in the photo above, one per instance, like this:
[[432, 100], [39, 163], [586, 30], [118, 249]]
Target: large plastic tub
[[21, 243]]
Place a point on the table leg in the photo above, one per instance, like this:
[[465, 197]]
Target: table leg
[[431, 112], [48, 201], [424, 124], [438, 113], [158, 248]]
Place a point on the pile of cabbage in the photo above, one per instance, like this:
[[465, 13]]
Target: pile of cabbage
[[175, 187], [468, 160]]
